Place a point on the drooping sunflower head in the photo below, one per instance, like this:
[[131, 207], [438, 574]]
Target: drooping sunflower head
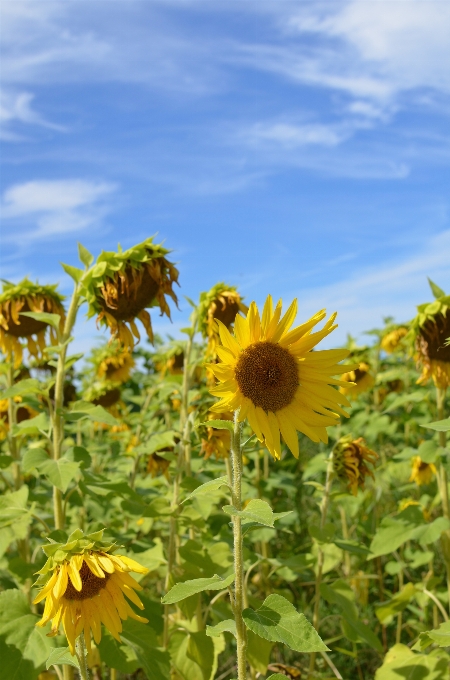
[[430, 331], [421, 472], [221, 303], [17, 300], [358, 380], [23, 412], [351, 461], [393, 339], [170, 358], [104, 393], [121, 286], [157, 465], [85, 585], [269, 373], [112, 362], [217, 442]]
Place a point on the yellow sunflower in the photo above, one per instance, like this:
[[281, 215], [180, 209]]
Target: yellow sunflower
[[27, 297], [421, 473], [351, 458], [393, 340], [84, 585], [357, 381], [270, 375]]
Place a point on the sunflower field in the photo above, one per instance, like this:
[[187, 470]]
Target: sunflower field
[[233, 504]]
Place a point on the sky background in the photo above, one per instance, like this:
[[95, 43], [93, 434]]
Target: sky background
[[294, 148]]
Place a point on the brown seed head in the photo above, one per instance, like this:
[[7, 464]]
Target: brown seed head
[[91, 585]]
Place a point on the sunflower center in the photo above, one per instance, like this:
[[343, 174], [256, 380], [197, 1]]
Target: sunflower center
[[129, 293], [91, 585], [433, 336], [268, 375], [28, 326], [226, 313]]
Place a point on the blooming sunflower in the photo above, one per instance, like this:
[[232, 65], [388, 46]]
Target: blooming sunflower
[[421, 473], [221, 303], [392, 340], [84, 585], [350, 462], [430, 331], [27, 297], [270, 375], [120, 286], [357, 381]]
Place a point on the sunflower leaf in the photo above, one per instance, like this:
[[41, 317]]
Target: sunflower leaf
[[207, 488], [181, 591], [85, 256], [62, 656], [439, 425], [50, 319], [219, 424], [277, 620], [73, 272], [437, 292], [256, 511], [28, 386]]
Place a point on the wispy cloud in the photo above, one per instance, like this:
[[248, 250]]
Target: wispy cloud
[[16, 107], [58, 207]]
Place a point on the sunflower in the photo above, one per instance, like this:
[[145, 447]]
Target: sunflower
[[430, 331], [269, 374], [157, 464], [84, 585], [421, 473], [218, 442], [27, 297], [23, 412], [358, 380], [170, 359], [112, 362], [120, 286], [351, 458], [221, 303], [393, 339]]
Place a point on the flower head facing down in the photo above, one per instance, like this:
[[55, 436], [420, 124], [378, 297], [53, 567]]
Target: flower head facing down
[[430, 331], [121, 286], [217, 442], [357, 381], [84, 586], [269, 373], [351, 461], [421, 473], [393, 339], [16, 300], [113, 362], [222, 303]]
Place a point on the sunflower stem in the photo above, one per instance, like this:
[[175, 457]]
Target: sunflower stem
[[68, 673], [58, 416], [443, 484], [236, 494], [12, 420], [320, 555], [80, 650]]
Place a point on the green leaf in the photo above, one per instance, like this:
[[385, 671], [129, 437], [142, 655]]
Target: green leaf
[[207, 488], [429, 533], [38, 424], [23, 387], [401, 663], [439, 425], [258, 652], [228, 626], [60, 656], [73, 272], [5, 461], [219, 424], [115, 655], [200, 649], [390, 536], [96, 413], [50, 319], [276, 676], [437, 292], [324, 535], [257, 511], [386, 612], [24, 648], [413, 397], [159, 441], [277, 620], [143, 642], [13, 508], [59, 472], [439, 636], [352, 547], [85, 256], [32, 459], [182, 590]]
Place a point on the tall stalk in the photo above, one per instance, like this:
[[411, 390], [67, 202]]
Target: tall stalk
[[443, 484], [12, 420], [321, 556], [238, 547], [58, 415]]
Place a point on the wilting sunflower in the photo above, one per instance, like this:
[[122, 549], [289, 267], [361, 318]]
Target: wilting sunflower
[[218, 442], [104, 393], [221, 303], [272, 377], [121, 286], [421, 473], [430, 331], [393, 339], [27, 297], [351, 458], [84, 585], [357, 381], [170, 358], [23, 412], [158, 465]]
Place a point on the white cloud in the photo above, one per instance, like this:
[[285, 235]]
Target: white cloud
[[16, 107], [57, 206], [293, 135]]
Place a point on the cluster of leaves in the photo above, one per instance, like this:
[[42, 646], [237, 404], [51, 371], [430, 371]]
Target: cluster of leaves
[[383, 593]]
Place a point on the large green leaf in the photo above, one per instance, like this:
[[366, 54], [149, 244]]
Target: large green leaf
[[439, 425], [200, 648], [142, 640], [60, 656], [439, 636], [23, 387], [400, 663], [256, 511], [60, 472], [93, 412], [24, 648], [402, 400], [207, 488], [119, 656], [14, 510], [277, 620], [258, 652], [51, 319], [182, 590]]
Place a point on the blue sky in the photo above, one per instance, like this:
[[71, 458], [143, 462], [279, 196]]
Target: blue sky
[[296, 148]]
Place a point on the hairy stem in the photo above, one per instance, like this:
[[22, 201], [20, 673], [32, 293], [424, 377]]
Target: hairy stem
[[443, 486], [80, 650]]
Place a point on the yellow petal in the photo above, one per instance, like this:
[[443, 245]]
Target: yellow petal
[[61, 582], [74, 575], [242, 331], [47, 588], [266, 316], [227, 339], [91, 561], [275, 432], [286, 322], [133, 565], [289, 432], [254, 323]]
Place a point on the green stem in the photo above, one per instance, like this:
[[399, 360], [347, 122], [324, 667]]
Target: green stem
[[238, 598], [12, 420], [68, 673], [320, 556], [443, 485], [58, 416], [80, 650]]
